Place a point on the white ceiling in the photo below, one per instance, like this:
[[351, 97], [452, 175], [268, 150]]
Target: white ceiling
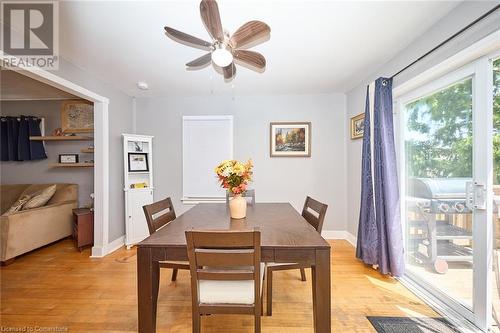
[[315, 46]]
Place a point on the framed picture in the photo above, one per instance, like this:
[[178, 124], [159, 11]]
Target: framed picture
[[138, 162], [77, 117], [357, 126], [290, 139], [68, 158]]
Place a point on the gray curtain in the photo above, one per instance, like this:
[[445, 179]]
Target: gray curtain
[[380, 235]]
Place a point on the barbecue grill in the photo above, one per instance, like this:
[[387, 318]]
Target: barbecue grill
[[431, 197]]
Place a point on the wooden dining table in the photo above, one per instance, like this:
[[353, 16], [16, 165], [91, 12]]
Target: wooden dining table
[[285, 237]]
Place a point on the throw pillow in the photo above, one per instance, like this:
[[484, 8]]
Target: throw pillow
[[18, 205], [40, 198]]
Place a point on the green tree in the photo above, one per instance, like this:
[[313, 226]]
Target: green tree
[[439, 143]]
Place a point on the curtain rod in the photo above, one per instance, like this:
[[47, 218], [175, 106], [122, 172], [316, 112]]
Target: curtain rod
[[3, 118], [491, 11]]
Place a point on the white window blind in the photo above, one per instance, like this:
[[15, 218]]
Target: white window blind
[[207, 140]]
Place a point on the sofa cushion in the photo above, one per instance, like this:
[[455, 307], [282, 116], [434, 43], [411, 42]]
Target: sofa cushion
[[18, 205], [40, 198], [9, 194]]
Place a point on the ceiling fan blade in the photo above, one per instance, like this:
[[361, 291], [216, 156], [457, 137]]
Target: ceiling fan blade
[[229, 71], [254, 59], [253, 32], [186, 39], [211, 18], [200, 62]]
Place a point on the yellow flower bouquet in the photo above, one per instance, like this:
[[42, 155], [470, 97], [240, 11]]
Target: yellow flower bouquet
[[234, 175]]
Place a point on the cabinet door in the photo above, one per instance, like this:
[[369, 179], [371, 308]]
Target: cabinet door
[[138, 226]]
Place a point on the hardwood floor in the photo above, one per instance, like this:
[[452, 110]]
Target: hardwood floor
[[58, 286]]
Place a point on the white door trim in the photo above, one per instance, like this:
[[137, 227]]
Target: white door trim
[[101, 156]]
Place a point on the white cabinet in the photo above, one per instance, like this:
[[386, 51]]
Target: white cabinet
[[138, 184], [137, 228]]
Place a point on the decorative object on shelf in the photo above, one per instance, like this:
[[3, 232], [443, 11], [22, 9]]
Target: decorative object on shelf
[[235, 176], [57, 132], [357, 126], [138, 162], [77, 116], [290, 139], [68, 158], [137, 185], [138, 146], [225, 50]]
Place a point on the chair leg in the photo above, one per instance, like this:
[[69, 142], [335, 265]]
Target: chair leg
[[269, 292], [174, 274], [303, 274], [196, 323], [257, 323]]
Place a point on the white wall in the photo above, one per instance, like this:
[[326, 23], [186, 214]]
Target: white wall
[[321, 176], [453, 22], [39, 171]]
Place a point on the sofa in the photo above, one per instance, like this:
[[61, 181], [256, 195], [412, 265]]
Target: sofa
[[30, 229]]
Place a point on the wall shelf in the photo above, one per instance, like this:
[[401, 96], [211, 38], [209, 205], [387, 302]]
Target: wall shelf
[[87, 150], [72, 165], [61, 138]]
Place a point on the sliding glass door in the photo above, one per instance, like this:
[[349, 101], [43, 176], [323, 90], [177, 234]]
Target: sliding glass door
[[447, 176], [495, 290]]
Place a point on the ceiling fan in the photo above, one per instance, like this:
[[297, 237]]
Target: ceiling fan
[[225, 50]]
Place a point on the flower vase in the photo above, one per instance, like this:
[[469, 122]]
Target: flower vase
[[238, 207]]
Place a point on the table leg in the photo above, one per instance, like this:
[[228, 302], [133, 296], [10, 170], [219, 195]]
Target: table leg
[[148, 274], [321, 292]]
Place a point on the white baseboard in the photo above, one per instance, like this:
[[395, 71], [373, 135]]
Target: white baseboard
[[101, 251], [339, 234]]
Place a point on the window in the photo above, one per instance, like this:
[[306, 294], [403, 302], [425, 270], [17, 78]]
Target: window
[[207, 140]]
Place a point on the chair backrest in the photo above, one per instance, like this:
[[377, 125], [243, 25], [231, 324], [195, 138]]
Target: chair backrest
[[319, 208], [224, 255], [158, 214], [248, 194]]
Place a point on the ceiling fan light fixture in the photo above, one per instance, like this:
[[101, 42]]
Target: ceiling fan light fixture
[[222, 57]]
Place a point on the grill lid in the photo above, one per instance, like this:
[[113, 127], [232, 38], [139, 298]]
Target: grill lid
[[437, 188]]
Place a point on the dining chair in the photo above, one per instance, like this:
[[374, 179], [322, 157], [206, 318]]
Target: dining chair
[[314, 213], [247, 194], [226, 274], [159, 214]]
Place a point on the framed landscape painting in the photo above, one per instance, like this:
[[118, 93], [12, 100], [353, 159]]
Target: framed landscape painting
[[290, 139], [357, 126]]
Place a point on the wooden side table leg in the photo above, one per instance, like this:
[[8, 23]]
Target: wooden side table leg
[[321, 292]]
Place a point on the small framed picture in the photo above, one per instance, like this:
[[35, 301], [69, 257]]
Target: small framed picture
[[290, 139], [68, 158], [357, 126], [138, 162]]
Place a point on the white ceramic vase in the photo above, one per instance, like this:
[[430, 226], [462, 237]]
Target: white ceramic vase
[[238, 207]]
